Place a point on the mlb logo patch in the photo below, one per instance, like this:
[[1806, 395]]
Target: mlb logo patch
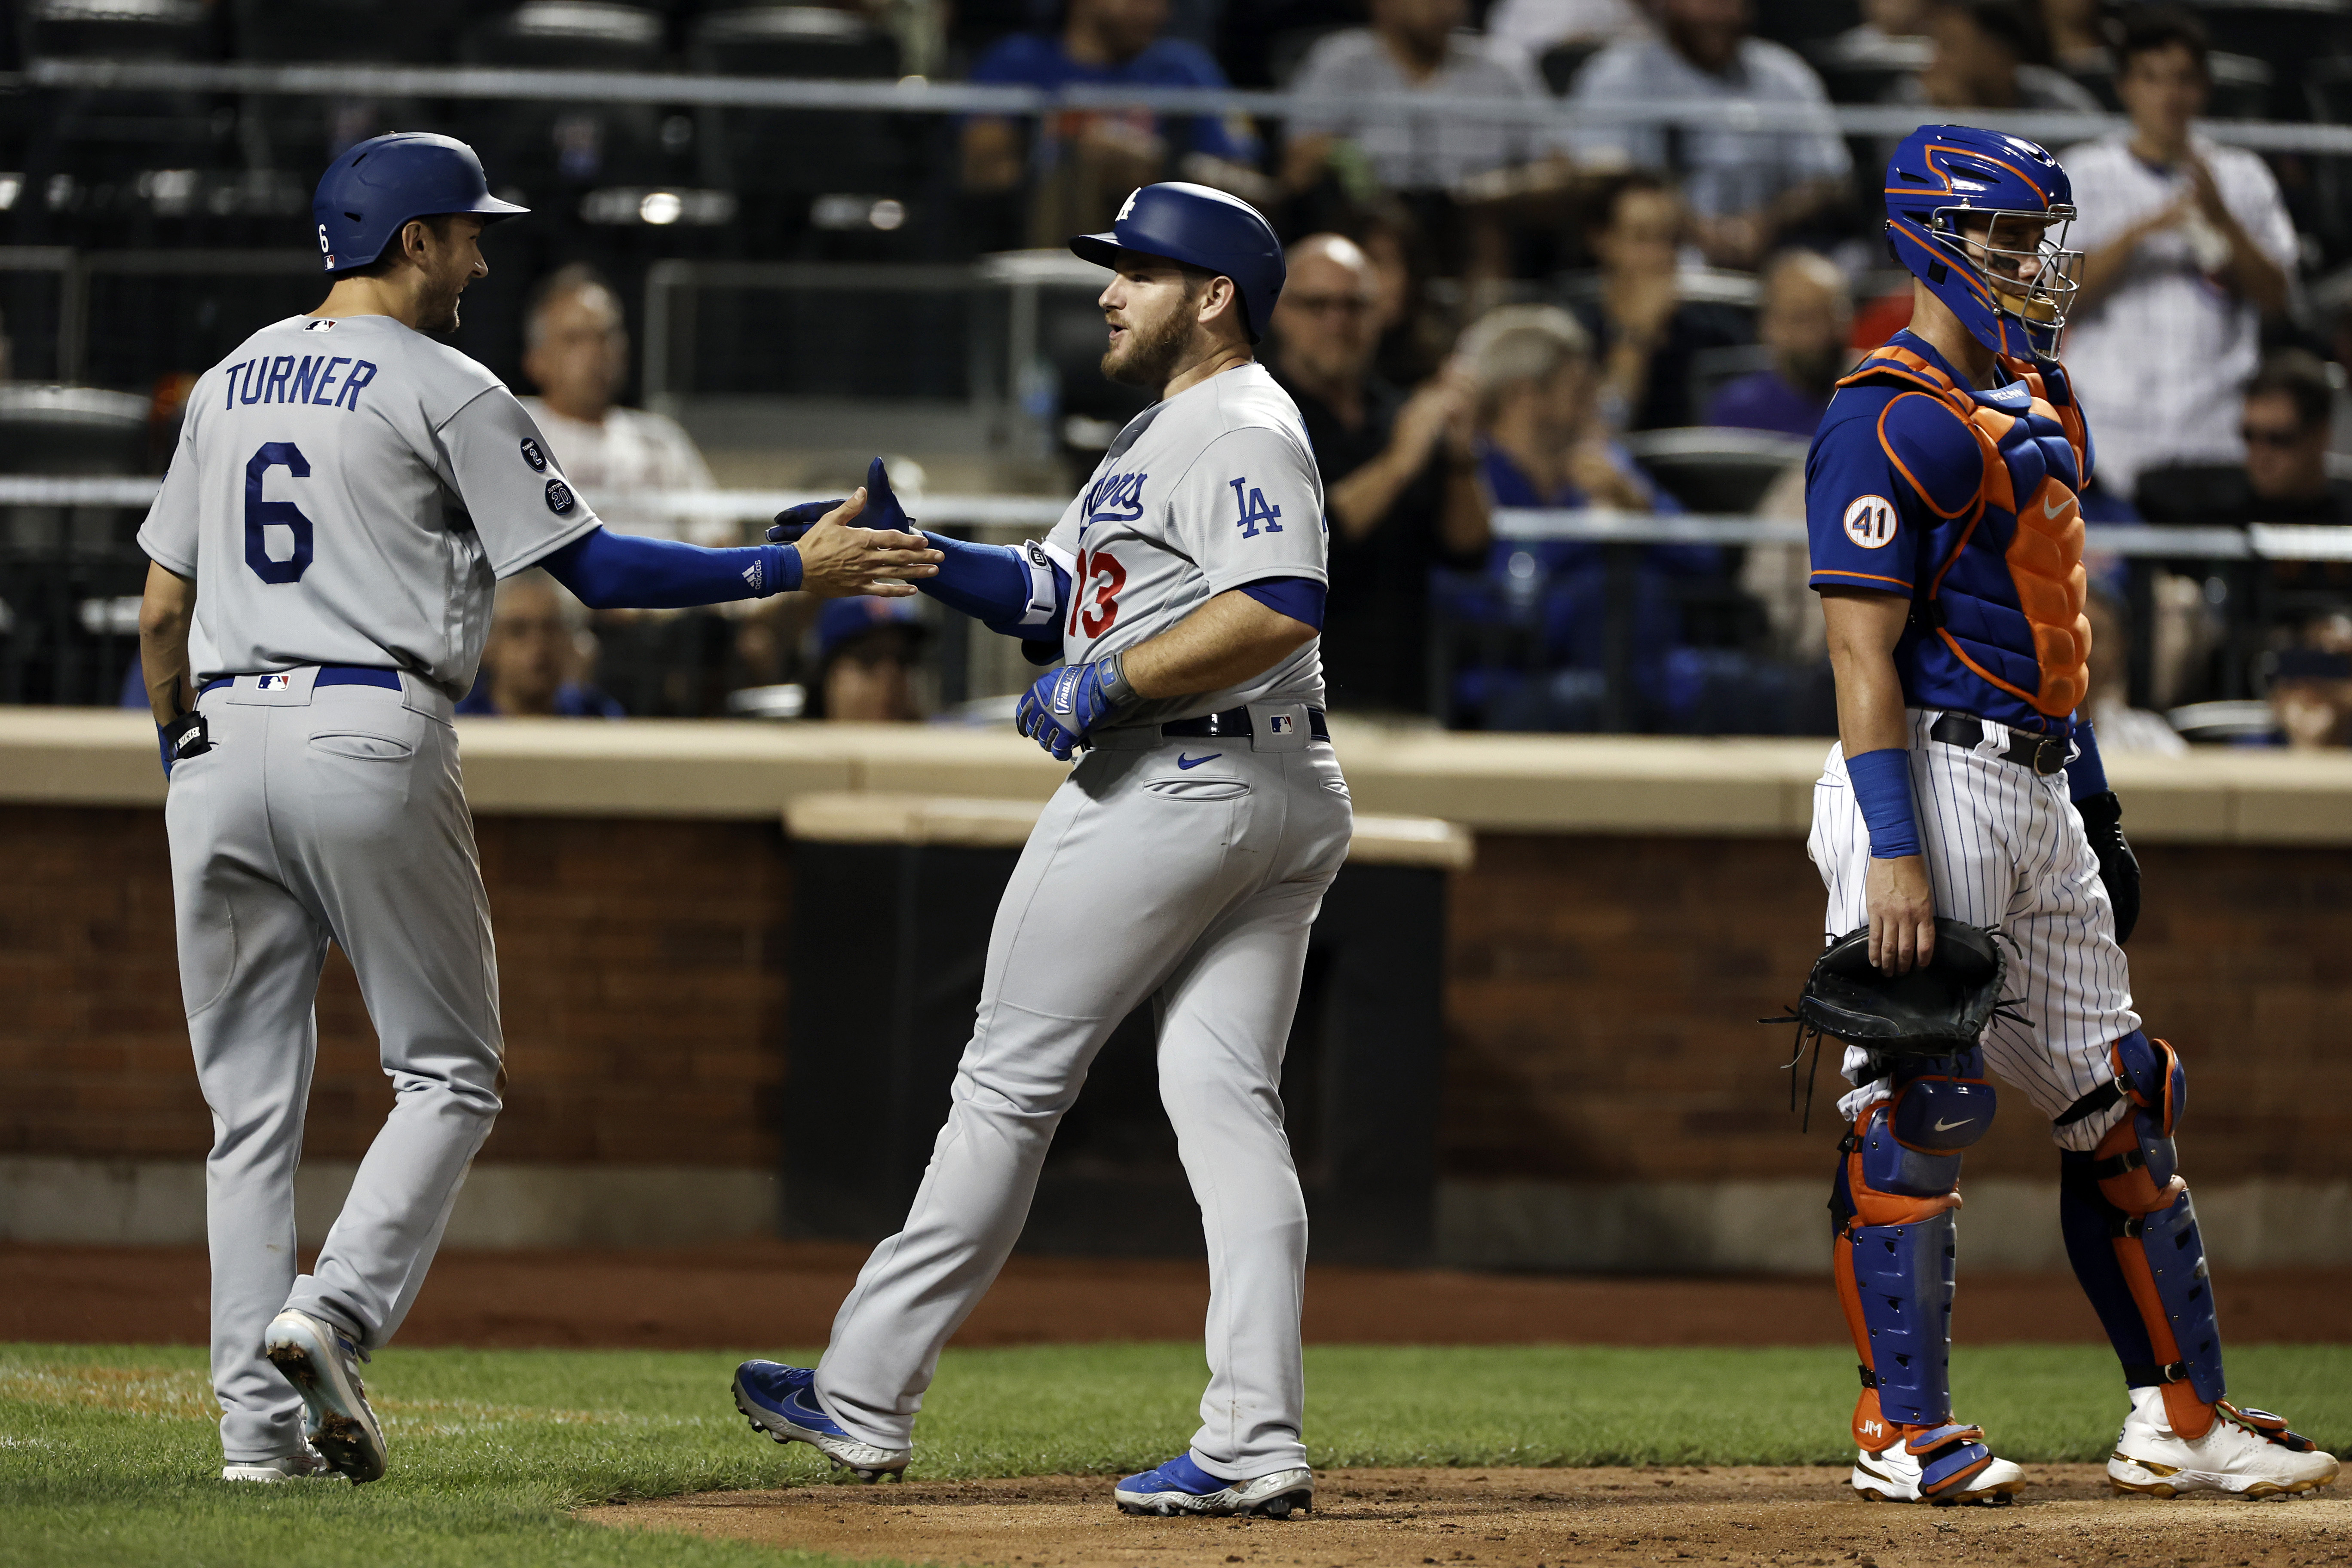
[[273, 683], [1281, 723]]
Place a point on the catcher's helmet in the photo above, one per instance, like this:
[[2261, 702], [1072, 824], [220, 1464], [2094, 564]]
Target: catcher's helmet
[[379, 185], [1941, 172], [1201, 228]]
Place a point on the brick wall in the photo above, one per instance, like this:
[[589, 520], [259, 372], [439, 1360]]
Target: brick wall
[[1599, 1006]]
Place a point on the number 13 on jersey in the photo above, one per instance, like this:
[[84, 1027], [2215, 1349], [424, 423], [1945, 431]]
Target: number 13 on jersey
[[1094, 593]]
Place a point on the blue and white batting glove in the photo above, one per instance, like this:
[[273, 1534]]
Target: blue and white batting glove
[[1063, 705], [882, 509]]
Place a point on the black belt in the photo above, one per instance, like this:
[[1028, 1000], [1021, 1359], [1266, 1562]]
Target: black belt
[[328, 675], [1233, 724], [2045, 754]]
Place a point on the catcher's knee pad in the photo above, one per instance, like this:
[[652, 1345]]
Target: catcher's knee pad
[[2131, 1234], [1897, 1242]]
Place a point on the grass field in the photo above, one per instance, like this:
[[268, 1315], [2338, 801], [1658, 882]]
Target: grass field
[[110, 1455]]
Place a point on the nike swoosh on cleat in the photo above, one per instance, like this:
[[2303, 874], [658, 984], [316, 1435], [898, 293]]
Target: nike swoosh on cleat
[[1184, 761], [1947, 1126]]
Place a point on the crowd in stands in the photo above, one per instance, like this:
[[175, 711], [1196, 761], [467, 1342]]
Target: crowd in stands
[[1502, 312]]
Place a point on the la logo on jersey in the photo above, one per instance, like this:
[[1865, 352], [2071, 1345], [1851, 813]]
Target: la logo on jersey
[[1254, 517], [1870, 521]]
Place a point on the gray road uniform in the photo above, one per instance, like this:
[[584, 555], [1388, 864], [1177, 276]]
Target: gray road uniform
[[1185, 869], [344, 495]]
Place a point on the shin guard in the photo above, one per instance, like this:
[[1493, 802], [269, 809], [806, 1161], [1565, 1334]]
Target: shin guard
[[1895, 1249], [2131, 1234]]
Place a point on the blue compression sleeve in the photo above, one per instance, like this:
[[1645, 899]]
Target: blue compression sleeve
[[1882, 787], [999, 586], [2086, 776], [611, 571], [1300, 598]]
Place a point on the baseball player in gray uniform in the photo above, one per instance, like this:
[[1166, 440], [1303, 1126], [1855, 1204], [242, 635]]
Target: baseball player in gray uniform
[[1184, 860], [325, 546]]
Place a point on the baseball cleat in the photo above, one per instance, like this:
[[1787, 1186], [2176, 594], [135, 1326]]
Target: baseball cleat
[[1180, 1486], [782, 1401], [323, 1363], [285, 1468], [1940, 1466], [2245, 1453]]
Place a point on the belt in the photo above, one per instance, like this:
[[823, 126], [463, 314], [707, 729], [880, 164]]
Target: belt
[[1233, 724], [330, 675], [2045, 754]]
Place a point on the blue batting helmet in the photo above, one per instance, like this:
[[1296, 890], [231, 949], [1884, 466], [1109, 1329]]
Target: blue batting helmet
[[1941, 172], [1201, 228], [378, 186]]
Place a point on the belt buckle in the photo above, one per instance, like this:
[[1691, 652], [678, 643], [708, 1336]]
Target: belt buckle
[[2049, 755]]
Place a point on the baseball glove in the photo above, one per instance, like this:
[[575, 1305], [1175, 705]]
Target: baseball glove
[[1935, 1011]]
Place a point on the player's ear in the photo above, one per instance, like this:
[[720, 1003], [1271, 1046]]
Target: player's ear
[[1219, 299]]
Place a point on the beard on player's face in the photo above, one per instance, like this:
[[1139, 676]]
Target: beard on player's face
[[1154, 325]]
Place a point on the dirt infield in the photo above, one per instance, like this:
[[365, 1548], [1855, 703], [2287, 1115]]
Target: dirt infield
[[1377, 1519], [782, 1293]]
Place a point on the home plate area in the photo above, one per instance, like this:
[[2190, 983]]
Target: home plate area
[[1783, 1515]]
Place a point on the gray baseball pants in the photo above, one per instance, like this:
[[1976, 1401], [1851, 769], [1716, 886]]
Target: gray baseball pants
[[1195, 886], [326, 813]]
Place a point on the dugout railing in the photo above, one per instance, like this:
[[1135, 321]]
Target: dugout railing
[[87, 636]]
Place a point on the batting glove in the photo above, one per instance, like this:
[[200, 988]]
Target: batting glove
[[2102, 816], [185, 737], [883, 510], [1059, 710]]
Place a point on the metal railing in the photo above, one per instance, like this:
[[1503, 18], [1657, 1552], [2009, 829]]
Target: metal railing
[[918, 96]]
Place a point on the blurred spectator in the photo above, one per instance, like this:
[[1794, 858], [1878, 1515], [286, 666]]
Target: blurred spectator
[[1647, 332], [1807, 319], [1747, 188], [2120, 726], [868, 655], [1544, 443], [532, 660], [2289, 409], [2332, 302], [1414, 336], [1397, 475], [1086, 161], [1412, 45], [576, 352], [1991, 54], [2311, 686], [2284, 424], [1537, 25], [2078, 37], [2188, 246], [1889, 31]]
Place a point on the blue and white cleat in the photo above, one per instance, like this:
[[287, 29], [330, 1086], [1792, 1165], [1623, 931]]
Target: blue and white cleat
[[322, 1363], [1180, 1486], [780, 1401]]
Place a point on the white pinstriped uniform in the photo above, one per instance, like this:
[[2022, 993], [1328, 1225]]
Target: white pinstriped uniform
[[2006, 851]]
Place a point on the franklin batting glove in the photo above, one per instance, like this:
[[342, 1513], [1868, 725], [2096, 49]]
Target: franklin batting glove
[[1063, 705], [185, 737]]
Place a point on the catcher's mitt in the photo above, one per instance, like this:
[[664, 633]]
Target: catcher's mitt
[[1938, 1010]]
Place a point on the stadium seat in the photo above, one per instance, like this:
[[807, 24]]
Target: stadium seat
[[784, 163], [548, 146], [2282, 33], [1716, 470], [69, 575], [72, 430]]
